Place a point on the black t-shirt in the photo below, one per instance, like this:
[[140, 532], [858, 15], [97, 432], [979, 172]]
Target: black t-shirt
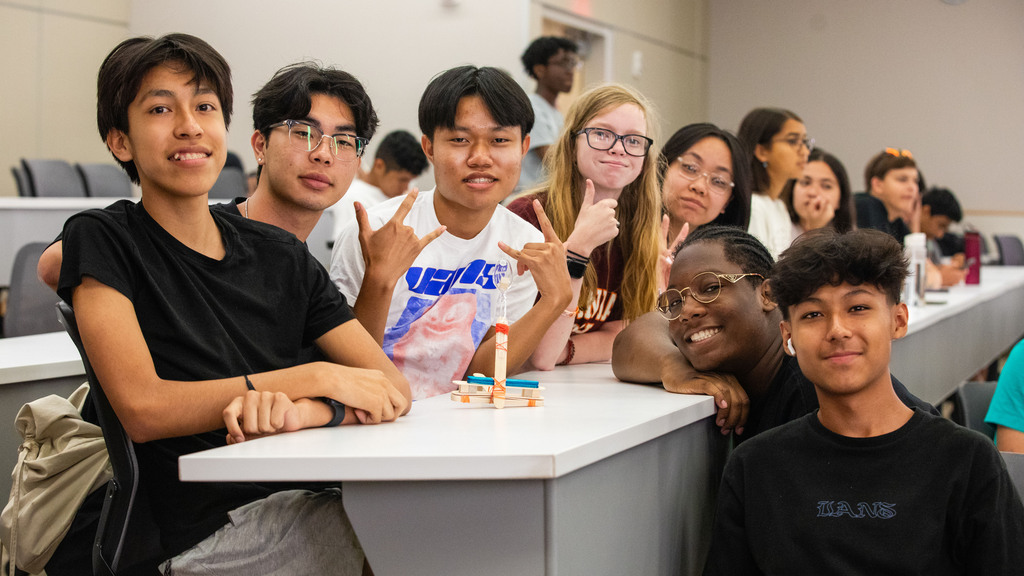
[[791, 395], [928, 498], [260, 308]]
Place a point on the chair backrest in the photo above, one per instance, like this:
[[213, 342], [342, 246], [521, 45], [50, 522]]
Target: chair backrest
[[53, 178], [30, 302], [127, 540], [1015, 466], [21, 181], [970, 405], [1011, 251], [230, 184], [105, 180]]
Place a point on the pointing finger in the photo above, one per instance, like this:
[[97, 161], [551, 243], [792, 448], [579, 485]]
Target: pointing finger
[[405, 206], [545, 224], [664, 226], [683, 233], [362, 220], [432, 236]]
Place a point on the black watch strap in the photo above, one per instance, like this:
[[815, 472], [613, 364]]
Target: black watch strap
[[339, 410]]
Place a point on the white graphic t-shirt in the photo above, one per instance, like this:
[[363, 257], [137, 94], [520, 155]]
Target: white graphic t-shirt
[[446, 302]]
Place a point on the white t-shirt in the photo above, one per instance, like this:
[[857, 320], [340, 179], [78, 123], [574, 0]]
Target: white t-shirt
[[447, 301], [359, 191], [547, 126], [770, 223]]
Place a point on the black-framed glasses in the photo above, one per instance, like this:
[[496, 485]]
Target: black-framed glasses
[[705, 288], [601, 139], [306, 137], [797, 141], [718, 182]]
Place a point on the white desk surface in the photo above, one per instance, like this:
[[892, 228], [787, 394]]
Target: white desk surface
[[587, 416], [38, 357], [995, 281]]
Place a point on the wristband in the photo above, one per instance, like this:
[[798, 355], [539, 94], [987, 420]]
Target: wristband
[[570, 312], [577, 255], [576, 268], [248, 383], [569, 355], [339, 411]]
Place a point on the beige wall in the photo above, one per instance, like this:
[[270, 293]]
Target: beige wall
[[671, 41], [946, 82], [49, 53], [54, 47]]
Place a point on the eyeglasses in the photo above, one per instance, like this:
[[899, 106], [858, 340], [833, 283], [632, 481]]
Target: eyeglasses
[[705, 288], [899, 153], [719, 183], [601, 139], [306, 137], [796, 142]]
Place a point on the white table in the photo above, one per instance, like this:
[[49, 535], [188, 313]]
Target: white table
[[948, 343], [31, 367], [28, 219], [605, 478]]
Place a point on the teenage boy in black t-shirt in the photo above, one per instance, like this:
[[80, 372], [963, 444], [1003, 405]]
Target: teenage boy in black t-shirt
[[182, 308], [865, 484]]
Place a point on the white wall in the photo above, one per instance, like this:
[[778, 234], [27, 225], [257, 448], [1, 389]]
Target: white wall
[[946, 82], [50, 51]]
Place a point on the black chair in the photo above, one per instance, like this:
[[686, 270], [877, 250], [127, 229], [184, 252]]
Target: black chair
[[53, 179], [105, 180], [1011, 251], [21, 181], [127, 539], [29, 302], [970, 405], [1015, 466], [230, 184]]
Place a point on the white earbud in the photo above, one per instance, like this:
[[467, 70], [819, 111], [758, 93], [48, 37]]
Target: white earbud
[[789, 346]]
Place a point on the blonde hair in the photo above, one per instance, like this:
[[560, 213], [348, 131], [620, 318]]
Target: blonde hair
[[639, 205]]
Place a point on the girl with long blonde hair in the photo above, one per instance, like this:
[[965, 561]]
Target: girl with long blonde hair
[[602, 199]]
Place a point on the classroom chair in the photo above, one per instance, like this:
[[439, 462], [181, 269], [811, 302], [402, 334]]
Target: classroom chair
[[1015, 466], [230, 184], [970, 405], [29, 302], [127, 539], [1011, 251], [53, 178], [105, 180], [21, 181]]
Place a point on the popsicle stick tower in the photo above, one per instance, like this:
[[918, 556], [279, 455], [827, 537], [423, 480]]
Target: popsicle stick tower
[[496, 391]]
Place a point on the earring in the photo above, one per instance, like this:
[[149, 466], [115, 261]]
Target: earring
[[789, 346], [259, 160], [764, 164]]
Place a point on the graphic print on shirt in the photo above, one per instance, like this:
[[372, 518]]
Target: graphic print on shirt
[[438, 332], [598, 311], [834, 509]]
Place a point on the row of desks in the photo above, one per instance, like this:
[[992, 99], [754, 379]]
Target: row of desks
[[607, 477]]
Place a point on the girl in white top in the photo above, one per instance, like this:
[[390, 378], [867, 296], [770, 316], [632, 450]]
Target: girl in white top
[[778, 144]]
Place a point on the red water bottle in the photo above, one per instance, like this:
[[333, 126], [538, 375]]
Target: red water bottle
[[972, 257]]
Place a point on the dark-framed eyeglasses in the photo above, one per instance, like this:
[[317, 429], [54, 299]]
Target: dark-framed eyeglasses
[[797, 141], [602, 139], [306, 137], [718, 182], [704, 288]]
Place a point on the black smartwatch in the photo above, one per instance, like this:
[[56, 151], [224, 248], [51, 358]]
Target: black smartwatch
[[339, 410]]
